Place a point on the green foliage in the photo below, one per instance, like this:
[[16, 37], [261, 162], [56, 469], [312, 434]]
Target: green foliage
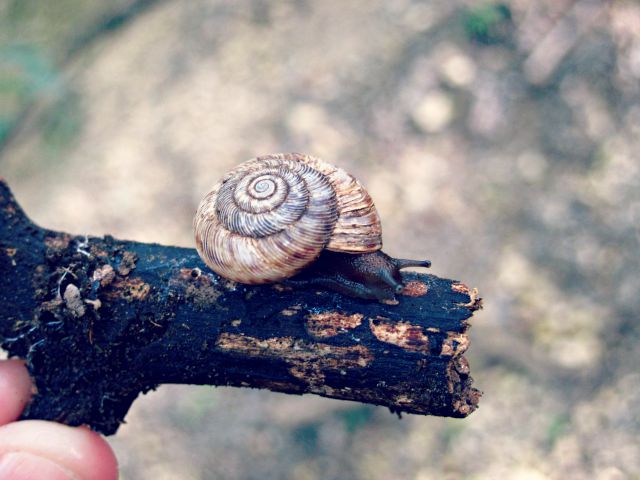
[[306, 436], [353, 419], [451, 431], [62, 121], [356, 418], [27, 77], [557, 428], [189, 411], [36, 38], [487, 24]]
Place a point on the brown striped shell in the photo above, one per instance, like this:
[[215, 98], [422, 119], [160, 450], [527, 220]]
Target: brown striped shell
[[271, 216]]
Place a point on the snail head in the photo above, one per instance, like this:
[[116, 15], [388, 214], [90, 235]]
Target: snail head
[[373, 275]]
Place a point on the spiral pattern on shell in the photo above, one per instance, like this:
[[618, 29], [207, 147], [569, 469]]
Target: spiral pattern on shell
[[271, 216]]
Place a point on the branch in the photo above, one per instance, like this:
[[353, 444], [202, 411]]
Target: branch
[[100, 320]]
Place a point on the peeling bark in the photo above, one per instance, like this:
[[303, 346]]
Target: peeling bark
[[101, 320]]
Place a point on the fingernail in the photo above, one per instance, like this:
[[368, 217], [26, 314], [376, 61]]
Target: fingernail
[[26, 466]]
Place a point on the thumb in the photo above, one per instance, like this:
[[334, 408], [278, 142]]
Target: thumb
[[38, 449], [15, 389], [63, 452]]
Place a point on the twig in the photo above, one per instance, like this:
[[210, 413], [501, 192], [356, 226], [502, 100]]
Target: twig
[[133, 315]]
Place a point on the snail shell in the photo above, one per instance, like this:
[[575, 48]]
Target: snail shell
[[271, 216]]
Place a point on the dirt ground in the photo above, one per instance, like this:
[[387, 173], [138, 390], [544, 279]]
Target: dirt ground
[[500, 140]]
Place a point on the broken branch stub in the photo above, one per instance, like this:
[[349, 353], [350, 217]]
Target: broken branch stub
[[100, 320]]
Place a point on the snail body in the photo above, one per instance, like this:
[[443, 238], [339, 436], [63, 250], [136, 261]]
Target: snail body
[[274, 216]]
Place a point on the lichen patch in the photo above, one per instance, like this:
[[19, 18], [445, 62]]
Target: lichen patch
[[455, 344], [461, 364], [460, 288], [73, 301], [202, 296], [58, 242], [307, 361], [330, 324], [414, 288], [463, 407], [278, 287], [402, 334], [11, 252], [198, 288], [291, 311], [403, 400], [105, 275], [130, 289], [475, 301], [127, 263]]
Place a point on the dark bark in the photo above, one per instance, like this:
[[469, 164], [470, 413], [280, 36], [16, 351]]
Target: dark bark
[[100, 320]]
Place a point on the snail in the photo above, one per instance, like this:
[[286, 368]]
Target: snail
[[298, 219]]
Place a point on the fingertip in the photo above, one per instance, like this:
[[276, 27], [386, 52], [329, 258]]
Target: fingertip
[[15, 389], [102, 454], [26, 466], [78, 450]]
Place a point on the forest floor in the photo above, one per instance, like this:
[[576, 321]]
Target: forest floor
[[496, 140]]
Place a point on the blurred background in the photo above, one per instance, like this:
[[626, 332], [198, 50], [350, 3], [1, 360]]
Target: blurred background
[[500, 140]]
